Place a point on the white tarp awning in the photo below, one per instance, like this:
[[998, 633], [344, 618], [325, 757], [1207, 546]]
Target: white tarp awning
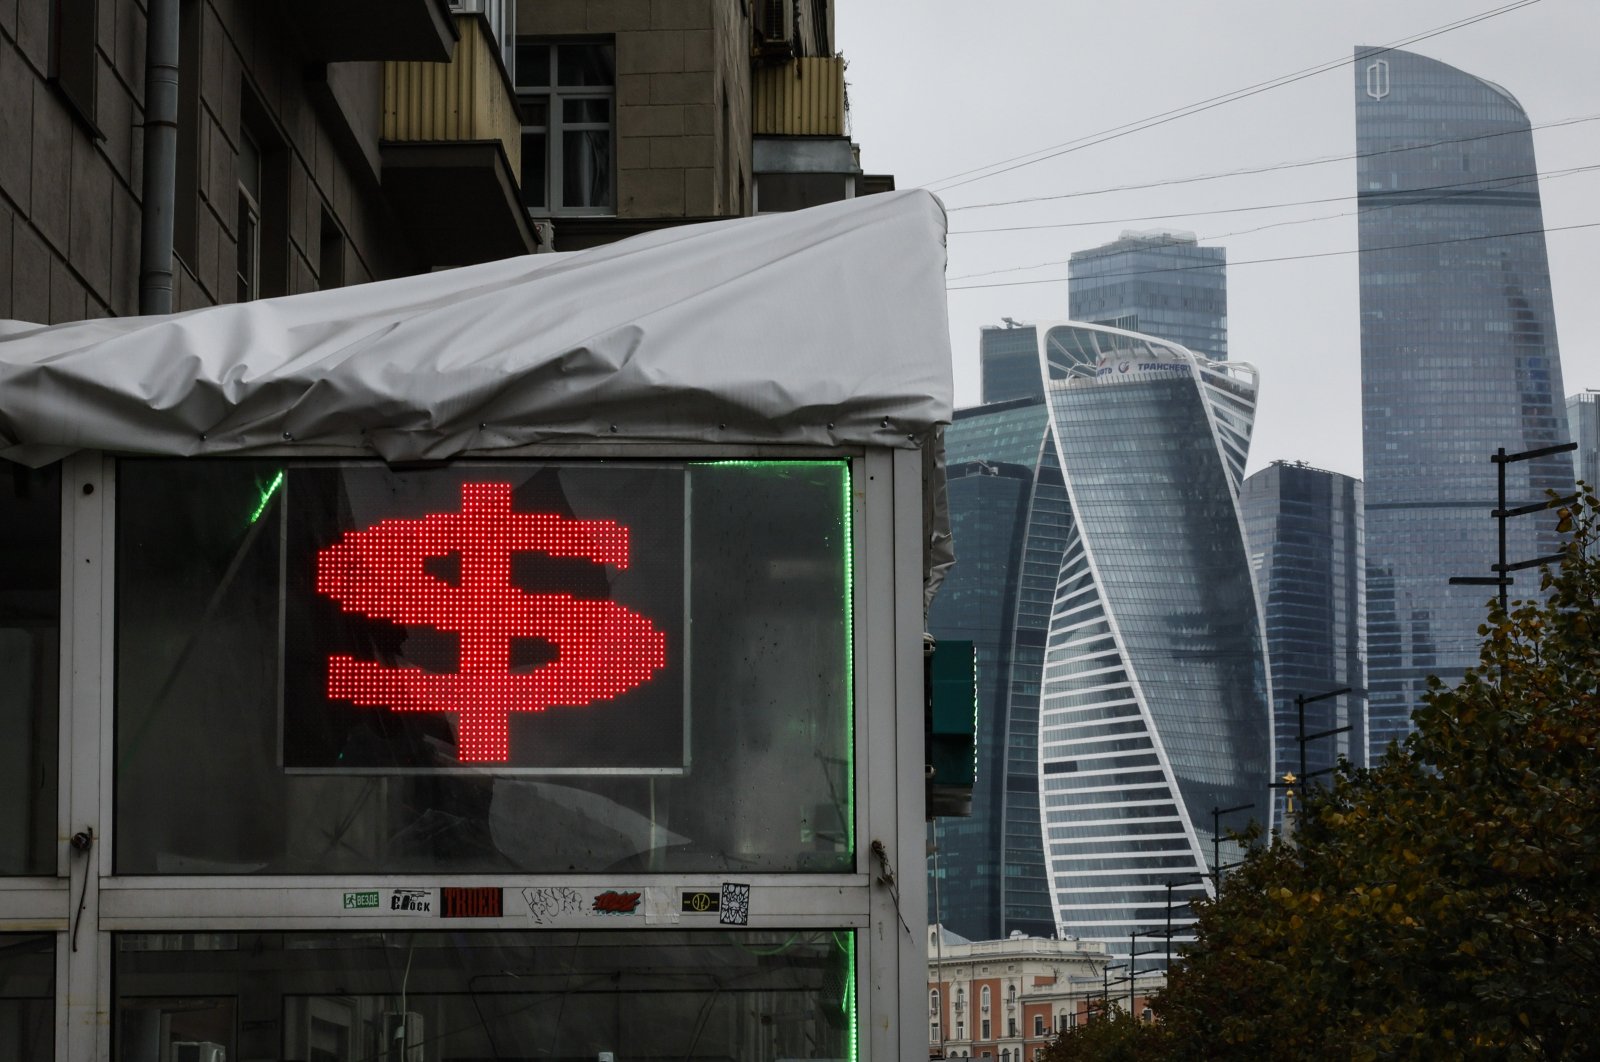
[[822, 327]]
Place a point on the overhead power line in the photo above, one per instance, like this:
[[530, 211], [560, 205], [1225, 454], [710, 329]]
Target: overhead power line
[[1474, 185], [1284, 258], [1128, 128], [1248, 171]]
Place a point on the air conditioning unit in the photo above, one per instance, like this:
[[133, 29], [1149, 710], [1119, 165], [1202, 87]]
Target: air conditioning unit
[[402, 1037], [198, 1051]]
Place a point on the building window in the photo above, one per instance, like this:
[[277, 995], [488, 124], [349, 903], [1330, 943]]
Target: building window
[[1011, 1026], [984, 1029], [186, 181], [961, 1030], [566, 94], [1038, 1025], [330, 254], [986, 999], [247, 258], [72, 53], [933, 1001], [261, 218]]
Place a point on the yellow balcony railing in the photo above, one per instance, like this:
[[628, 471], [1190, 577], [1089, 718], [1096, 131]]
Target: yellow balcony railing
[[468, 98], [801, 97]]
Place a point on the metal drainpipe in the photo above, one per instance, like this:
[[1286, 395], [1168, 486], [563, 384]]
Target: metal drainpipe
[[160, 157]]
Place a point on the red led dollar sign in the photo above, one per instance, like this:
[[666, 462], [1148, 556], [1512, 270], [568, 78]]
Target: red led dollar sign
[[602, 648]]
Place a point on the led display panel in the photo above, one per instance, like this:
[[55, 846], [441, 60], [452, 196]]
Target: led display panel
[[521, 619]]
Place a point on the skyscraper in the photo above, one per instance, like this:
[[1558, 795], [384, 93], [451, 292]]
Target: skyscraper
[[1583, 421], [1162, 284], [1458, 357], [1155, 702], [988, 886], [1009, 359], [1303, 526]]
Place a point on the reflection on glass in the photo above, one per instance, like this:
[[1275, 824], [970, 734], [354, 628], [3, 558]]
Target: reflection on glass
[[584, 110], [586, 168], [234, 755], [533, 64], [30, 624], [533, 167], [340, 997], [27, 996], [585, 64]]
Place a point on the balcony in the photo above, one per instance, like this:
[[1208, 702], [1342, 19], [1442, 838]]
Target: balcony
[[452, 152], [802, 97], [365, 30]]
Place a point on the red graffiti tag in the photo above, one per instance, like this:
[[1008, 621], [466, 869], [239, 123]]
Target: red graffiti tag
[[613, 902], [603, 649]]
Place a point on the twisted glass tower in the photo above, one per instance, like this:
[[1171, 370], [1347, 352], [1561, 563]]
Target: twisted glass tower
[[1458, 357], [1155, 704]]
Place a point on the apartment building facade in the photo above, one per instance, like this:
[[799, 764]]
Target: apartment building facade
[[309, 148], [1007, 1000]]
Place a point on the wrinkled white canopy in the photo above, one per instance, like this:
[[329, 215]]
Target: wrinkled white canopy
[[821, 327]]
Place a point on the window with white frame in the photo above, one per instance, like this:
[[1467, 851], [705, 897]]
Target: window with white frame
[[1038, 1025], [499, 17], [566, 96], [247, 265]]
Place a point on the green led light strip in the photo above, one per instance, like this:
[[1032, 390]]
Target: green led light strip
[[848, 515], [848, 1004], [266, 495]]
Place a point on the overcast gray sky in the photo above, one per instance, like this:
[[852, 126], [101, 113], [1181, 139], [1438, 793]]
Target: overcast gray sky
[[938, 87]]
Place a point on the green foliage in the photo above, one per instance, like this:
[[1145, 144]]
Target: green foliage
[[1444, 903], [1112, 1035]]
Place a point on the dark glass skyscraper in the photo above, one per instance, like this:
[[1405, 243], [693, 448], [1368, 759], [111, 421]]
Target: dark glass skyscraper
[[1163, 284], [1583, 421], [1458, 357], [988, 884], [1154, 700], [1009, 358], [1304, 527]]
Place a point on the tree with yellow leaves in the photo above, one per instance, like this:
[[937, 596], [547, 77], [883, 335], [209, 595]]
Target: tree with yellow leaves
[[1444, 903]]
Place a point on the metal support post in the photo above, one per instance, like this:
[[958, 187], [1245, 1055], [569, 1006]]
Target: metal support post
[[1216, 841], [1503, 569]]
